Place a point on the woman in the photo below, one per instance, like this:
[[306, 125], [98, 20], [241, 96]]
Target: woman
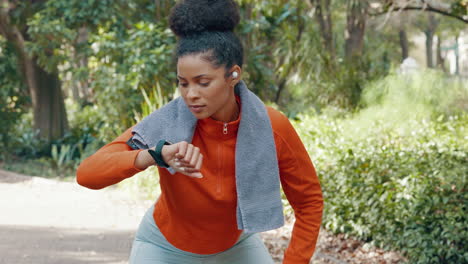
[[220, 177]]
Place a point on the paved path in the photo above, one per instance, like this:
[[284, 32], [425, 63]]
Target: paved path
[[45, 221]]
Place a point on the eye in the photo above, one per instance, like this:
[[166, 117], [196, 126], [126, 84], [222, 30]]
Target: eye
[[183, 84], [205, 84]]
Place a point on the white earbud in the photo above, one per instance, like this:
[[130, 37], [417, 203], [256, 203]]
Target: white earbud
[[235, 75]]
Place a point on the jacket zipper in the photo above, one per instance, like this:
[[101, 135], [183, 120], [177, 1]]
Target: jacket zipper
[[220, 170], [220, 175]]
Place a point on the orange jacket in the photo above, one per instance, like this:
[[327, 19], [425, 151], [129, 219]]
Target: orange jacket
[[199, 215]]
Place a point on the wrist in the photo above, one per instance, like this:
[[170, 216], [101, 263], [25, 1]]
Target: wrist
[[149, 161], [143, 160], [164, 154]]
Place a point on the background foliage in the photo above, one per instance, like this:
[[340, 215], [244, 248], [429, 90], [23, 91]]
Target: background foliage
[[399, 182], [390, 146]]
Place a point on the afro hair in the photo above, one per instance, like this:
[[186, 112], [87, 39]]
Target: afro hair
[[207, 27], [195, 16]]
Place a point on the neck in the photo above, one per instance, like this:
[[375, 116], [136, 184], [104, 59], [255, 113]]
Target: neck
[[230, 113], [235, 115]]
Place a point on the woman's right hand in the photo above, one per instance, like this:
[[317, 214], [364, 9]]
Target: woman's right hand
[[184, 158]]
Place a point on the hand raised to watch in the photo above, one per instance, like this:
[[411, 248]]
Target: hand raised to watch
[[183, 157]]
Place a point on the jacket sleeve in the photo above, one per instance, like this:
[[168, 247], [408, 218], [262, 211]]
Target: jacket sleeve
[[111, 164], [302, 189]]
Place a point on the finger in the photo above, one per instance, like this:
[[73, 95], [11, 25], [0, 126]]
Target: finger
[[190, 172], [195, 155], [195, 175], [177, 164], [199, 162], [188, 155], [182, 149]]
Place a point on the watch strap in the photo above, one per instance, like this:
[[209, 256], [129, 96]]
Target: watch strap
[[157, 153]]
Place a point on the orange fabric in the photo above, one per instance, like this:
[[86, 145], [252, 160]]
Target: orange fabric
[[199, 215]]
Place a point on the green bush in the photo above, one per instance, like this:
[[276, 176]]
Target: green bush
[[403, 192], [60, 157], [26, 142], [399, 183], [12, 97]]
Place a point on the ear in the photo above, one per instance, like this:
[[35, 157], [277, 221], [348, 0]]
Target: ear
[[232, 79]]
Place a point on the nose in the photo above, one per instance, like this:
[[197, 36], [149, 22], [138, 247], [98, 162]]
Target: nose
[[192, 93]]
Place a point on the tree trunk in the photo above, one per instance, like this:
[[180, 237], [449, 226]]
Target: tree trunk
[[81, 86], [440, 60], [281, 87], [457, 56], [430, 32], [429, 42], [50, 116], [283, 76], [324, 19], [403, 44], [157, 3], [44, 88], [357, 11]]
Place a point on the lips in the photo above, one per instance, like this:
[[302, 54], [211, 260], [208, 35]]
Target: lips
[[196, 108]]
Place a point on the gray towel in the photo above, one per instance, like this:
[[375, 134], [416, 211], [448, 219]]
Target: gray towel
[[259, 206]]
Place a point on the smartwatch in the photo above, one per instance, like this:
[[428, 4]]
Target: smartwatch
[[157, 153]]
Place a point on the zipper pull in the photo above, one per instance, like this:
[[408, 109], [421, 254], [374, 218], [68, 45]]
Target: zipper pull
[[225, 130]]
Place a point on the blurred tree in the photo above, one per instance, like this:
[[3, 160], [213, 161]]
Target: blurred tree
[[323, 15], [52, 38], [356, 19], [429, 32], [402, 23], [457, 9], [273, 33], [105, 52], [404, 44], [13, 95], [43, 82], [447, 32], [428, 20]]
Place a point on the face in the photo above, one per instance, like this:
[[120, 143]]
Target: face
[[205, 89]]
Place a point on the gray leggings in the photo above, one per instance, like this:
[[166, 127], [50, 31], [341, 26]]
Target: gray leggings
[[151, 247]]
